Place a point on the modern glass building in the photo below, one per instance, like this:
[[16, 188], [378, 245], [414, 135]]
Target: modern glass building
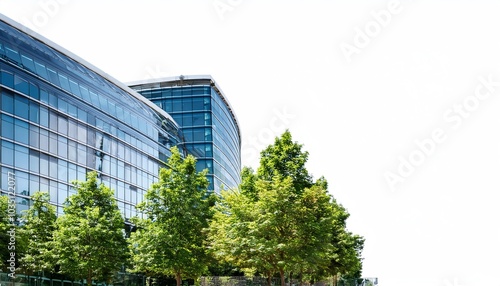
[[209, 126], [61, 117]]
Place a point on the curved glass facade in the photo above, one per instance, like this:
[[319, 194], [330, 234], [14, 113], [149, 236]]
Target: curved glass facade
[[209, 126], [61, 118]]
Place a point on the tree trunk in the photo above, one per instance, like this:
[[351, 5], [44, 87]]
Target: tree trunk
[[282, 277], [89, 277], [300, 278], [268, 280], [178, 278]]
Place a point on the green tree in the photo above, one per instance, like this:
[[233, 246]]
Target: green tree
[[281, 221], [313, 217], [89, 238], [273, 229], [171, 240], [229, 242], [247, 186], [39, 226], [280, 232], [285, 158], [345, 261]]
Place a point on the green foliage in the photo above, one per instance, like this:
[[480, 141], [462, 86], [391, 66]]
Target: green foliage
[[89, 239], [280, 232], [280, 221], [4, 227], [171, 240], [286, 159], [37, 232], [247, 186], [314, 215]]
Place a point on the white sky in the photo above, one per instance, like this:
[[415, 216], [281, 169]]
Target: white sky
[[439, 226]]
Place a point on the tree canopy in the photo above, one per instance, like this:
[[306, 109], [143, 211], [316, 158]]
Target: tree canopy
[[37, 231], [89, 238], [171, 239], [280, 221]]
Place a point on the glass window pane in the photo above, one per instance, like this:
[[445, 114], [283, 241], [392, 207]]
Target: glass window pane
[[21, 85], [167, 105], [187, 120], [64, 82], [198, 119], [72, 110], [198, 134], [73, 129], [71, 172], [82, 115], [53, 120], [22, 183], [34, 184], [8, 79], [41, 71], [94, 98], [82, 154], [22, 132], [176, 105], [75, 89], [34, 111], [85, 94], [44, 140], [62, 105], [62, 147], [34, 161], [34, 136], [208, 118], [62, 125], [28, 63], [53, 77], [206, 103], [198, 103], [72, 153], [7, 102], [21, 157], [7, 153], [34, 91], [52, 100], [21, 107], [52, 143], [82, 133], [7, 127], [53, 167], [208, 134], [44, 96], [12, 54], [187, 104], [44, 116], [62, 170]]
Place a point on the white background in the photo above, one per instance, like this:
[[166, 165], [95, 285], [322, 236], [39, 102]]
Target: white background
[[281, 65]]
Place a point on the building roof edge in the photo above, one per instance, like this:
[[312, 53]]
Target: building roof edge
[[85, 63]]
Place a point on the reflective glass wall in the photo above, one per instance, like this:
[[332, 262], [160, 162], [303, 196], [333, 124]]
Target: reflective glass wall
[[209, 127], [60, 119]]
